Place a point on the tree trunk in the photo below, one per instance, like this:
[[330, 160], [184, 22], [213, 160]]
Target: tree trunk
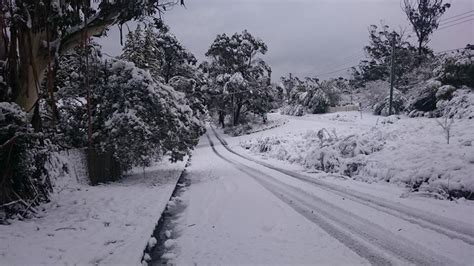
[[420, 51], [237, 114], [33, 61], [221, 118]]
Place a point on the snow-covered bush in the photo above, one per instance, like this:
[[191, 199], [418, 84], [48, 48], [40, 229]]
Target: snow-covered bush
[[23, 153], [134, 116], [195, 91], [311, 96], [321, 150], [425, 97], [398, 104], [460, 106], [457, 69], [140, 119], [390, 152], [295, 110], [374, 92]]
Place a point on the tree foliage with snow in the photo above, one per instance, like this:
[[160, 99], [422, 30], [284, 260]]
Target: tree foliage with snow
[[23, 177], [34, 32], [238, 78], [379, 51], [312, 96], [134, 116], [156, 49]]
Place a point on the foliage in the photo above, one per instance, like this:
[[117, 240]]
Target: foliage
[[379, 53], [398, 104], [424, 16], [35, 32], [158, 51], [136, 117], [238, 79], [315, 97], [23, 153], [457, 69]]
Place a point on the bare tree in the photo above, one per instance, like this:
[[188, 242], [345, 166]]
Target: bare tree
[[446, 126], [424, 16]]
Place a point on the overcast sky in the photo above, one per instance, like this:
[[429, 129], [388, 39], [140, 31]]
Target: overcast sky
[[304, 37]]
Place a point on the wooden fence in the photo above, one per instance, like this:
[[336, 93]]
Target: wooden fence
[[346, 108]]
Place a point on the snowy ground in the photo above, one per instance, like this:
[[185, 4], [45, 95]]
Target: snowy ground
[[245, 209], [105, 224], [401, 150]]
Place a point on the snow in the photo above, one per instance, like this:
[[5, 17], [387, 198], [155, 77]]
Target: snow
[[107, 224], [397, 149], [232, 216], [235, 220]]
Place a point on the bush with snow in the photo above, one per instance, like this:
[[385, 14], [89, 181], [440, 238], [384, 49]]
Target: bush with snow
[[134, 116], [392, 152], [398, 104], [23, 154], [312, 96], [461, 104]]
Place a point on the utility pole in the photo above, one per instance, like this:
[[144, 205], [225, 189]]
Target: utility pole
[[233, 110], [392, 74]]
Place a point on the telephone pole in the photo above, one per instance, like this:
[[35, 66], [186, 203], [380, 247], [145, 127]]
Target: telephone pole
[[392, 74]]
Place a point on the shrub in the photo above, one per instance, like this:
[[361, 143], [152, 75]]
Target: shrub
[[23, 154]]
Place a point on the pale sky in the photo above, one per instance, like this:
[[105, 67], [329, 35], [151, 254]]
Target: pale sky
[[304, 37]]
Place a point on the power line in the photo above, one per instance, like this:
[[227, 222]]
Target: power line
[[350, 57], [335, 71], [458, 19], [458, 15], [449, 26], [450, 50]]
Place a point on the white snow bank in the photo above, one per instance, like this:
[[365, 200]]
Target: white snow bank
[[106, 224], [407, 151]]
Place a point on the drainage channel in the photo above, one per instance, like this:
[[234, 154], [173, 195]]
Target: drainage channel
[[159, 249]]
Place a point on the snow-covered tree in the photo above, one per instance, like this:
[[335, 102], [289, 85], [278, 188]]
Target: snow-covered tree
[[424, 16], [313, 96], [24, 179], [240, 80], [34, 32], [134, 116], [156, 49], [378, 51]]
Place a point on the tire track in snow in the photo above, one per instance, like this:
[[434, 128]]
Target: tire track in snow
[[447, 227], [368, 240]]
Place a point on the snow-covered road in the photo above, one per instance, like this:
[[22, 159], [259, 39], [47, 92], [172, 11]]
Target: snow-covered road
[[245, 211]]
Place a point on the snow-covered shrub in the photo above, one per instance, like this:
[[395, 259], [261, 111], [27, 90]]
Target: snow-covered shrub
[[134, 116], [295, 110], [457, 69], [311, 96], [398, 104], [374, 92], [195, 91], [23, 153], [140, 119], [319, 102], [425, 98], [445, 92], [264, 144], [321, 150], [460, 106]]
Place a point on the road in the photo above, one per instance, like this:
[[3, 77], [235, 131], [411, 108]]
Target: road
[[242, 210]]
